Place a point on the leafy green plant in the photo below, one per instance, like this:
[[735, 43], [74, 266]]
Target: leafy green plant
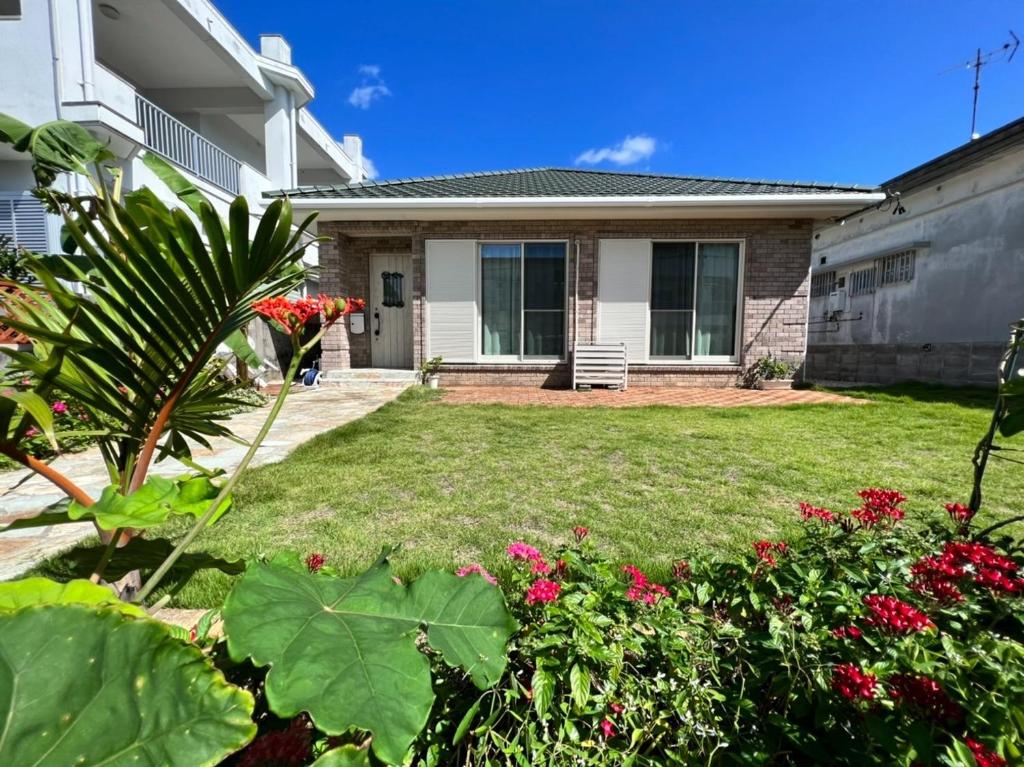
[[308, 626], [10, 262], [430, 368], [770, 368], [861, 642]]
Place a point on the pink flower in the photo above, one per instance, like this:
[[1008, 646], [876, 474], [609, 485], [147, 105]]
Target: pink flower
[[26, 381], [59, 407], [523, 552], [642, 589], [540, 567], [607, 728], [542, 591], [617, 708], [31, 432], [462, 572]]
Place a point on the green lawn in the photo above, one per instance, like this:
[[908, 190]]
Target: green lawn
[[455, 484]]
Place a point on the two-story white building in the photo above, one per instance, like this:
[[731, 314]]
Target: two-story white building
[[167, 76]]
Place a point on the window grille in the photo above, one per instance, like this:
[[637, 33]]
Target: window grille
[[862, 281], [896, 268], [393, 289], [822, 284]]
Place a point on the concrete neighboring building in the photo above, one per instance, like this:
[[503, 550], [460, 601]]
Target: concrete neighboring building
[[167, 76], [924, 286], [504, 273]]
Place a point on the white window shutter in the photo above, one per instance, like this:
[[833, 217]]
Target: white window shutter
[[451, 315], [623, 293], [24, 220]]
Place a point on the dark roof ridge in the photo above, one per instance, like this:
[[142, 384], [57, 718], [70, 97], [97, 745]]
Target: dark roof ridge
[[591, 171]]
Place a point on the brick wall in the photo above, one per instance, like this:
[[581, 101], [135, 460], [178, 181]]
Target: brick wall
[[775, 287]]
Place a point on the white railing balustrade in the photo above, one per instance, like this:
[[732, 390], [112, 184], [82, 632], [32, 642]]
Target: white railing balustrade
[[170, 137]]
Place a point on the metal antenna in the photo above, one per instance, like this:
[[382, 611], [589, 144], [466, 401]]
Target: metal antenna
[[1007, 50]]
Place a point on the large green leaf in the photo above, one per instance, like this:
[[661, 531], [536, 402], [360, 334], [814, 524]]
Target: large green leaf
[[32, 592], [15, 405], [82, 686], [344, 649], [56, 147], [344, 756], [151, 504]]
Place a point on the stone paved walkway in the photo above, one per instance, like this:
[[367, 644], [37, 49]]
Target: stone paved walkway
[[306, 413], [639, 396]]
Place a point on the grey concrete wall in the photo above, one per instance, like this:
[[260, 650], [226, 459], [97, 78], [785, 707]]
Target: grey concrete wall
[[949, 323]]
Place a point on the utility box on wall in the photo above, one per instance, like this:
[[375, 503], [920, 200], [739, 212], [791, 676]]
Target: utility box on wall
[[357, 323]]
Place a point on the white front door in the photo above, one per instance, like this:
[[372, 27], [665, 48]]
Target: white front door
[[391, 312]]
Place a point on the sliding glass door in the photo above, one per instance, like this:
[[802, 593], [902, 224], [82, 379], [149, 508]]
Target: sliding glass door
[[522, 300], [694, 300]]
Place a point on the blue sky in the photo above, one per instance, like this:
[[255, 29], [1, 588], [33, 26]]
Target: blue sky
[[823, 91]]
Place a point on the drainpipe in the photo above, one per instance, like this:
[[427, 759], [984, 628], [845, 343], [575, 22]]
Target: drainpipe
[[87, 51]]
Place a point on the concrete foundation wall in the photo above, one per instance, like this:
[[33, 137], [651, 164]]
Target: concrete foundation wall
[[955, 364], [774, 302]]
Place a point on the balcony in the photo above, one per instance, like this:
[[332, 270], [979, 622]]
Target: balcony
[[175, 141]]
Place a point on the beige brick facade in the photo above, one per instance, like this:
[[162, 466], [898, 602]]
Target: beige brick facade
[[774, 304]]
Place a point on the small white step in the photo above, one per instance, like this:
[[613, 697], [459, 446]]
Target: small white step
[[369, 377]]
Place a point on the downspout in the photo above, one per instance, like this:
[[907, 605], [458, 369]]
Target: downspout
[[58, 84], [88, 91]]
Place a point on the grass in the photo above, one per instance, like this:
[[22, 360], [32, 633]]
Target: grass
[[455, 484]]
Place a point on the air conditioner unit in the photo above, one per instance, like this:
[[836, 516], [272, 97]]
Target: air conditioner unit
[[838, 301]]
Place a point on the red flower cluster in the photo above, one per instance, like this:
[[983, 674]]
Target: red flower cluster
[[847, 632], [808, 512], [282, 748], [983, 755], [941, 576], [895, 616], [542, 591], [642, 590], [292, 316], [681, 570], [852, 683], [314, 562], [924, 695], [580, 533], [764, 550], [607, 728], [879, 504], [959, 513]]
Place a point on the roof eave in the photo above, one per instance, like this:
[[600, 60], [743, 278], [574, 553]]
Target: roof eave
[[804, 205]]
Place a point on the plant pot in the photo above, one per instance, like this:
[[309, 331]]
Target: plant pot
[[433, 381], [775, 384]]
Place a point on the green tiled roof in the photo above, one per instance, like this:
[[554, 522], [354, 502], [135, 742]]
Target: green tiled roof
[[561, 182]]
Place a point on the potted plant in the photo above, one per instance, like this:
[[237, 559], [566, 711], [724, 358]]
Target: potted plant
[[770, 373], [430, 372]]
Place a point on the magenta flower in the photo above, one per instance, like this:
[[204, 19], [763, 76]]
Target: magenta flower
[[607, 728], [524, 552], [314, 562], [59, 407], [542, 591], [462, 572]]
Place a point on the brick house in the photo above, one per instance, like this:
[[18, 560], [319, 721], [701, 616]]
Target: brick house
[[501, 273]]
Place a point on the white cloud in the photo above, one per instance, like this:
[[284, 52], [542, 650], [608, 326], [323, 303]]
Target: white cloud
[[629, 151], [371, 88], [370, 168]]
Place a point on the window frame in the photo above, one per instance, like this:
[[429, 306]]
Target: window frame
[[695, 359], [18, 16], [521, 358]]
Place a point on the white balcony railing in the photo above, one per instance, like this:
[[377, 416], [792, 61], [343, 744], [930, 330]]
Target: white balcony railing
[[168, 136]]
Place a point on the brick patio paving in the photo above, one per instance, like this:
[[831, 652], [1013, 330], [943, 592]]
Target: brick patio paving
[[639, 396]]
